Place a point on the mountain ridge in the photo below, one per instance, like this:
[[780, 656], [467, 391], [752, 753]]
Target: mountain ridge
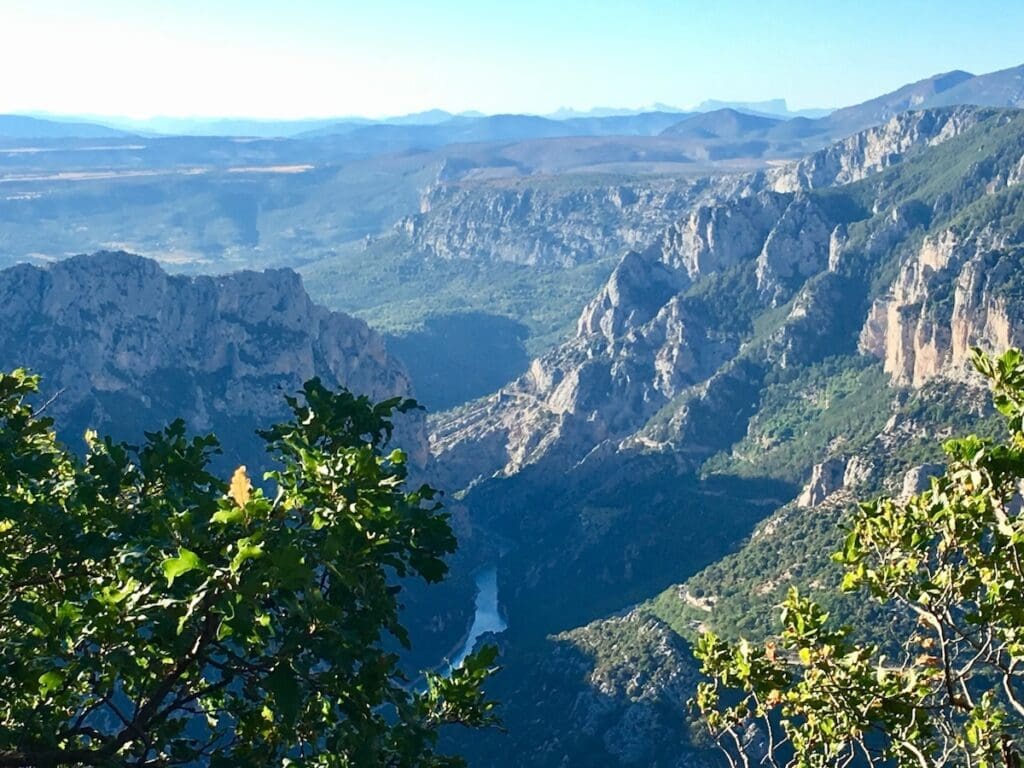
[[717, 372], [112, 334]]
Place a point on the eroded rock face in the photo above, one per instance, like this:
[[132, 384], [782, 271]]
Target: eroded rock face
[[948, 298], [720, 235], [634, 293], [639, 346], [797, 247], [127, 346], [541, 225], [593, 389], [875, 149], [860, 471], [919, 478], [826, 478]]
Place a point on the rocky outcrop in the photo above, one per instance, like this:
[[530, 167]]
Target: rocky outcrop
[[643, 344], [545, 224], [591, 390], [122, 345], [797, 247], [719, 235], [875, 149], [637, 288], [860, 472], [953, 294], [918, 479], [826, 478]]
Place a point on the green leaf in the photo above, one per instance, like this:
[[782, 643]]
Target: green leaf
[[186, 561], [283, 685], [293, 572], [227, 515], [113, 595], [50, 681], [247, 550]]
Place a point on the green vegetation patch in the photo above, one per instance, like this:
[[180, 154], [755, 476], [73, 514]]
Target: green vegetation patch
[[397, 290], [840, 403]]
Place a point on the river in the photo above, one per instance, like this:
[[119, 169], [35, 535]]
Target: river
[[487, 617]]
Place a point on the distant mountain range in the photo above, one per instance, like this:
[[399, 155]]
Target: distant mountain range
[[1004, 88], [771, 107], [25, 127], [724, 123], [86, 126]]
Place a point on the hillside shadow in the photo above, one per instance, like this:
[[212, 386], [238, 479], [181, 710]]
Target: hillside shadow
[[458, 357], [612, 694], [597, 545]]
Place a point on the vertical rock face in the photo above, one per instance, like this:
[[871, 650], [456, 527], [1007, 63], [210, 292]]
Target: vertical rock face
[[123, 344], [647, 338], [953, 294], [797, 247], [875, 149], [720, 235], [826, 478], [541, 225]]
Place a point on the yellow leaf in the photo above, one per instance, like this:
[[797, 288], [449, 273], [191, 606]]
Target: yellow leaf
[[240, 487]]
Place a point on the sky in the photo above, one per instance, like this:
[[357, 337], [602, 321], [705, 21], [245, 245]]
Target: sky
[[319, 58]]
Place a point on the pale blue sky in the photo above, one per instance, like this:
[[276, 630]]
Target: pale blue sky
[[383, 57]]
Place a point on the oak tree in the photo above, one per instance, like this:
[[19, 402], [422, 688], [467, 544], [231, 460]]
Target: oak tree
[[950, 563], [152, 614]]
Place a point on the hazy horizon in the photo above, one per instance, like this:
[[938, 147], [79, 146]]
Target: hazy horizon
[[314, 59], [44, 114]]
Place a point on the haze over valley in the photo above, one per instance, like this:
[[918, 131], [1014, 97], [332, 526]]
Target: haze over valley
[[662, 351]]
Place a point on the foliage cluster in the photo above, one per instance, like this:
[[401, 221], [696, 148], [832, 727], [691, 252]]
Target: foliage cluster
[[154, 615], [953, 693]]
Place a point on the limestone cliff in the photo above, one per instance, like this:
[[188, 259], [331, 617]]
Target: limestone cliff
[[553, 222], [541, 224], [796, 248], [644, 340], [721, 234], [827, 477], [651, 346], [875, 149], [953, 294], [123, 345]]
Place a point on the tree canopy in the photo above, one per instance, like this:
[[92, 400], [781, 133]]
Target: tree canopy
[[153, 614], [950, 564]]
